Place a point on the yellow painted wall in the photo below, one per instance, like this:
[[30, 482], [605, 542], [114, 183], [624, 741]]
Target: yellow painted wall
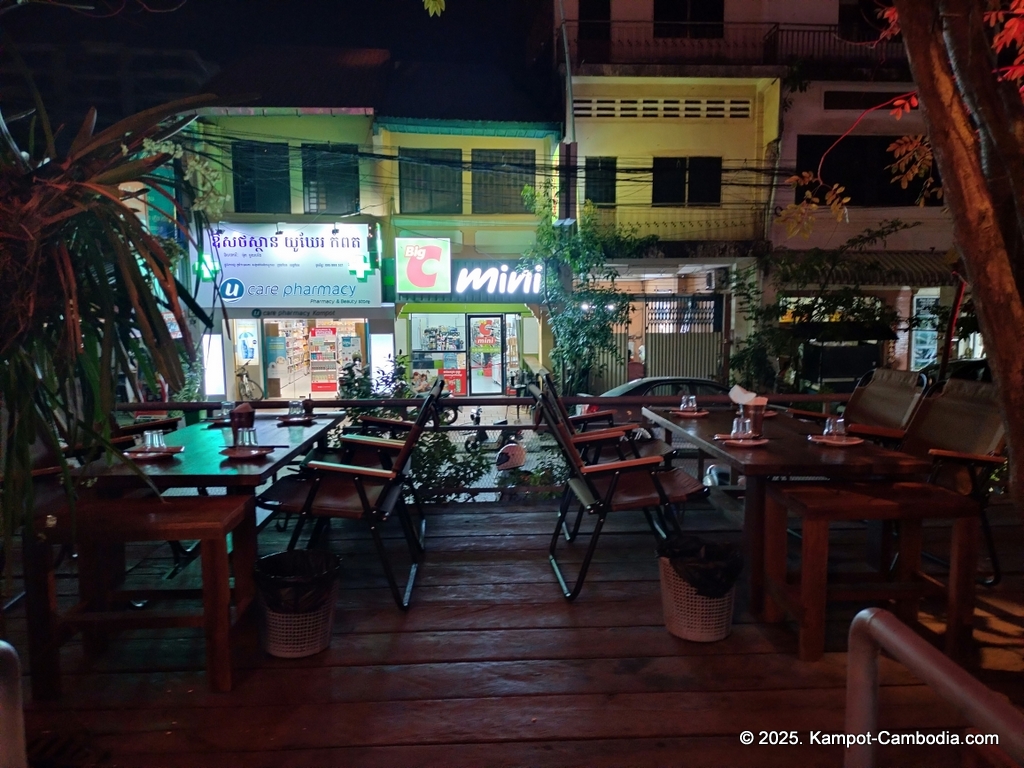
[[488, 233], [295, 130], [741, 143]]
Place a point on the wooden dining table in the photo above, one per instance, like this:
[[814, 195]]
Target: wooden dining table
[[787, 455], [201, 465]]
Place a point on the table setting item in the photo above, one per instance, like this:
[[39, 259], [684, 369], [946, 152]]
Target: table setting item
[[297, 416], [688, 409], [246, 445], [153, 448], [834, 434]]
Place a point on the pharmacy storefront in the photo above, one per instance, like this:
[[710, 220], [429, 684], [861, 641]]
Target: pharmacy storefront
[[466, 320], [301, 301]]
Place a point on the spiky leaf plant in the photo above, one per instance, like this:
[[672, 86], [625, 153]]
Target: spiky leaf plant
[[83, 286]]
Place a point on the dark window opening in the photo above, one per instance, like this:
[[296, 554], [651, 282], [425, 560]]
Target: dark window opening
[[689, 18], [430, 180], [859, 21], [857, 100], [705, 181], [859, 164], [330, 178], [687, 181], [499, 177], [595, 19], [260, 176], [600, 180]]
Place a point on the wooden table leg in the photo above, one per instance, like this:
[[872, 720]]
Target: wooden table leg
[[217, 612], [963, 568], [243, 557], [775, 546], [813, 588], [908, 564], [753, 540], [40, 606]]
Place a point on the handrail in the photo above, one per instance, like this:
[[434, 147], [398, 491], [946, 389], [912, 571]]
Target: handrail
[[873, 629], [658, 402], [12, 716]]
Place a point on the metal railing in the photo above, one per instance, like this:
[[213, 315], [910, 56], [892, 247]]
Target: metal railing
[[750, 43], [874, 629]]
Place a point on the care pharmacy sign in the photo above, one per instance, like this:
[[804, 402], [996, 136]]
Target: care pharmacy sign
[[307, 266]]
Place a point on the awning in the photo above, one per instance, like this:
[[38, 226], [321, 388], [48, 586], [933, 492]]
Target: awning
[[918, 269], [841, 331]]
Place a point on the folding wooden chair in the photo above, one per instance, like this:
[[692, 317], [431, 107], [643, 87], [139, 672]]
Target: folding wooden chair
[[883, 398], [633, 484], [638, 447], [327, 489]]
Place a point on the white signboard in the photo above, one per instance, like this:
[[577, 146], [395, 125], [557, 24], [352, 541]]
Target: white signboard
[[297, 267]]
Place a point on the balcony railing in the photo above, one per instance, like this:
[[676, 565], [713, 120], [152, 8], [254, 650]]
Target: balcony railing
[[647, 42]]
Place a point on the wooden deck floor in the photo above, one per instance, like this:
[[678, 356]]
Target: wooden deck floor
[[491, 667]]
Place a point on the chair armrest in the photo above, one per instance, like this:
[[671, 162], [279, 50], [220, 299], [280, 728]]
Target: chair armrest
[[351, 469], [598, 435], [798, 413], [586, 418], [372, 442], [622, 466], [378, 421], [967, 458], [866, 430]]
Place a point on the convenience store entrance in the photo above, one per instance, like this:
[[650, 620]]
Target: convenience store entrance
[[486, 341]]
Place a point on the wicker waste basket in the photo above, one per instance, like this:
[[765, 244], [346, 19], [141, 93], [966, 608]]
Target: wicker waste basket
[[691, 616], [698, 587], [297, 594]]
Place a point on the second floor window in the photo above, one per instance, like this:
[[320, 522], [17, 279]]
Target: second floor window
[[330, 178], [430, 180], [600, 180], [689, 18], [260, 175], [687, 181], [859, 164], [499, 176]]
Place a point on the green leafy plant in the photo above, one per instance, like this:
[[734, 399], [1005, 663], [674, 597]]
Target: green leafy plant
[[444, 470], [83, 289], [805, 291], [582, 303]]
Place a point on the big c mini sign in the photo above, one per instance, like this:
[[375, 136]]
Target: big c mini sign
[[424, 265]]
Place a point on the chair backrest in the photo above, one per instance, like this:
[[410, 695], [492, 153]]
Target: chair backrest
[[964, 416], [556, 399], [427, 410], [578, 482], [888, 399]]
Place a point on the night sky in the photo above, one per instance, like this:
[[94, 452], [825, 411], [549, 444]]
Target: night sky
[[220, 30]]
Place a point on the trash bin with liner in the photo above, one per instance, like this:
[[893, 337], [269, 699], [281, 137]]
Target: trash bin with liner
[[698, 587], [297, 594]]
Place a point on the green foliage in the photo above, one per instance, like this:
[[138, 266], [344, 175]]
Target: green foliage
[[83, 289], [443, 470], [434, 7], [389, 383], [583, 305], [768, 359], [551, 471]]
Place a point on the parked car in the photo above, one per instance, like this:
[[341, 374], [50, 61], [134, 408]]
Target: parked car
[[971, 369], [655, 386]]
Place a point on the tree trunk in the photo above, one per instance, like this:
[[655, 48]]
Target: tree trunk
[[976, 220]]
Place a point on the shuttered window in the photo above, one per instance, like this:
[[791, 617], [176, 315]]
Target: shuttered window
[[499, 177], [330, 178], [260, 175], [430, 180]]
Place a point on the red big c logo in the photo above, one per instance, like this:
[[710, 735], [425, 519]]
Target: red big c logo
[[416, 257]]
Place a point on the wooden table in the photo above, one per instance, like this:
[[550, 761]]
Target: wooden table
[[788, 454], [200, 465]]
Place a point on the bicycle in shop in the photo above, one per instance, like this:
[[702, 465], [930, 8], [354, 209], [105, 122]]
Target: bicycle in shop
[[247, 388]]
